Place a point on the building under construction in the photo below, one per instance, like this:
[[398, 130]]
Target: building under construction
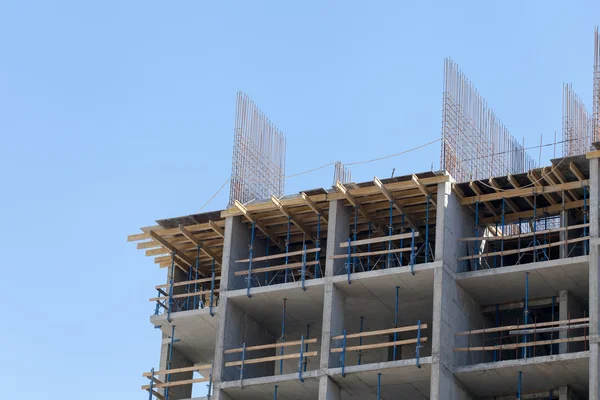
[[478, 281]]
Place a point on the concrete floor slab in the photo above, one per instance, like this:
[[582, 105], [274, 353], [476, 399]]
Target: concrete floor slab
[[288, 388], [196, 331], [373, 295], [266, 306], [546, 279], [398, 378], [539, 373]]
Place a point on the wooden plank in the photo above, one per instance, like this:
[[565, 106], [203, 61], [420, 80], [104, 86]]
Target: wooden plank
[[271, 346], [550, 210], [177, 383], [273, 358], [380, 332], [184, 283], [517, 327], [478, 192], [378, 345], [276, 268], [524, 235], [178, 370], [183, 295], [198, 243], [577, 172], [511, 204], [259, 225], [293, 219], [592, 154], [396, 205], [281, 255], [547, 175], [342, 189], [533, 178], [165, 232], [371, 253], [157, 395], [379, 239], [423, 189], [516, 251], [320, 198], [218, 230], [313, 206], [170, 247], [510, 346], [523, 192]]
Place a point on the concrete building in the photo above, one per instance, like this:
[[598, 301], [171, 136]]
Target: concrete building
[[413, 287]]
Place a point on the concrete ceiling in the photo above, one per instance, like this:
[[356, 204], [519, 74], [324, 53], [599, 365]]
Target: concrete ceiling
[[302, 307], [539, 373], [290, 389], [398, 379], [196, 331], [546, 279]]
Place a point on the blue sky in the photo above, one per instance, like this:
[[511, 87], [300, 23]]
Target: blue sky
[[117, 113]]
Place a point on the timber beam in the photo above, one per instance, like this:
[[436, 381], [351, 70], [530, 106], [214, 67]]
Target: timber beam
[[198, 243], [259, 225]]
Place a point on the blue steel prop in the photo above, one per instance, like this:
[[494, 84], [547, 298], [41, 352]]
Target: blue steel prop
[[300, 361], [526, 311], [360, 340], [378, 386], [395, 324], [343, 356], [251, 249], [282, 336], [212, 290], [418, 349]]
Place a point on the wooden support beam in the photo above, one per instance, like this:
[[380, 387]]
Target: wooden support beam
[[342, 189], [592, 154], [179, 254], [282, 255], [422, 188], [562, 179], [576, 172], [523, 192], [477, 191], [536, 181], [397, 206], [178, 370], [219, 231], [519, 327], [259, 225], [550, 210], [293, 219], [198, 243], [515, 184], [511, 204], [313, 206], [281, 267]]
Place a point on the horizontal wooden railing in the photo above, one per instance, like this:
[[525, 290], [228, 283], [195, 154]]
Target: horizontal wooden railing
[[301, 356], [156, 383], [359, 335]]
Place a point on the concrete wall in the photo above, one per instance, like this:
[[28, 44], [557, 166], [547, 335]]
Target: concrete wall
[[338, 230]]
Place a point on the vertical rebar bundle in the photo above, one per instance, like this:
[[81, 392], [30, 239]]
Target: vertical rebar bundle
[[341, 173], [258, 162], [475, 144], [596, 92], [577, 132]]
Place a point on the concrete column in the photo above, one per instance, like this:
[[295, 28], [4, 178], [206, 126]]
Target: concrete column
[[565, 393], [234, 326], [178, 360], [328, 389], [338, 230], [594, 283], [334, 305], [569, 308], [453, 309]]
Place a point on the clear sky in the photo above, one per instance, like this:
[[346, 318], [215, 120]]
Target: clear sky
[[117, 113]]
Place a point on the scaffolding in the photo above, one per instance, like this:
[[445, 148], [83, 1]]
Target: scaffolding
[[475, 144], [258, 161]]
